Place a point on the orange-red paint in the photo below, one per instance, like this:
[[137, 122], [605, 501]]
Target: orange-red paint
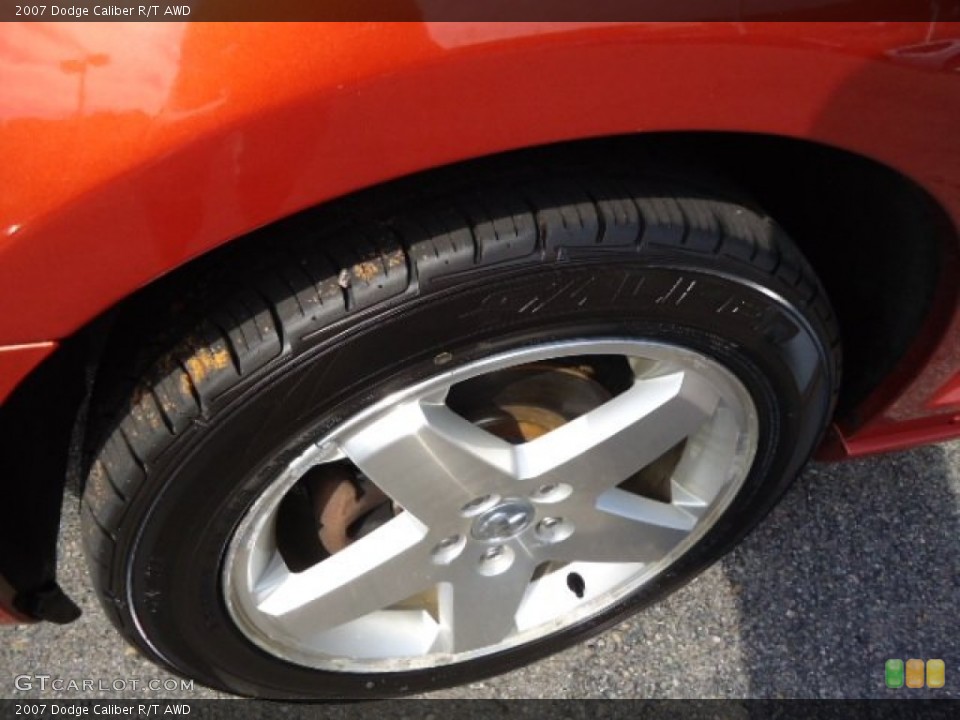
[[130, 149], [949, 395]]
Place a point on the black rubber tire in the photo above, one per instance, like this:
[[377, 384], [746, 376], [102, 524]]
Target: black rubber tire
[[238, 367]]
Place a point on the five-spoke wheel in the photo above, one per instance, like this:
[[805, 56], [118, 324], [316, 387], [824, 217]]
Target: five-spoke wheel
[[485, 542]]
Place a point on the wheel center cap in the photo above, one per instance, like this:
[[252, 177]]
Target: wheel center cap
[[504, 521]]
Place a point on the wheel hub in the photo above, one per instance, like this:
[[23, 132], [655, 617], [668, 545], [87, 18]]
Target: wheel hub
[[506, 520]]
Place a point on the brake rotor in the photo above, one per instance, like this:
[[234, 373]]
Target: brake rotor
[[341, 501], [521, 404]]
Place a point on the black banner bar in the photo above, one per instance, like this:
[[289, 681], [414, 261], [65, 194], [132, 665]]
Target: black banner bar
[[477, 10], [491, 709]]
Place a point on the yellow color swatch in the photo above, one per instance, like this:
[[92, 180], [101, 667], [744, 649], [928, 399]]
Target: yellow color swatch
[[914, 673], [935, 673]]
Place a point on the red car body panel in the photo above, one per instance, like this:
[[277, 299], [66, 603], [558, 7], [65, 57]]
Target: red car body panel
[[9, 617], [130, 150]]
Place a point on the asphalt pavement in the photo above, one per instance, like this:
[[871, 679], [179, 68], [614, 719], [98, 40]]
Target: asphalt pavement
[[859, 563]]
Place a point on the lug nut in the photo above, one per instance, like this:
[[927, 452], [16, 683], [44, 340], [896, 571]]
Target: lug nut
[[478, 505], [447, 550], [554, 529], [551, 493], [495, 560], [493, 553]]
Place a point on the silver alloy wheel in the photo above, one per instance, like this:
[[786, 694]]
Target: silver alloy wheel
[[495, 544]]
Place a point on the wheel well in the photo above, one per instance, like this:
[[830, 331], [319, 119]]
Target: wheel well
[[883, 248], [880, 244]]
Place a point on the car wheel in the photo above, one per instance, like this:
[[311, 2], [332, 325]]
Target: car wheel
[[437, 440]]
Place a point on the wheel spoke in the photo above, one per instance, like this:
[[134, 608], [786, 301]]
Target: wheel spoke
[[609, 444], [477, 611], [623, 527], [429, 460], [382, 568]]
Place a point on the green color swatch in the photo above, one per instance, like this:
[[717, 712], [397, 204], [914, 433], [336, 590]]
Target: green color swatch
[[893, 673]]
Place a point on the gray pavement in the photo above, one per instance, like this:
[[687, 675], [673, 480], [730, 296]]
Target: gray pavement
[[859, 563]]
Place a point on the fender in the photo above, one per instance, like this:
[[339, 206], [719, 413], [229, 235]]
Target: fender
[[129, 151]]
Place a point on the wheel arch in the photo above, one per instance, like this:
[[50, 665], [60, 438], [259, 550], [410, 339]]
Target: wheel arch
[[887, 272]]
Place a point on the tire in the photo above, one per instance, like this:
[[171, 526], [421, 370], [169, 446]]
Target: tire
[[595, 281]]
